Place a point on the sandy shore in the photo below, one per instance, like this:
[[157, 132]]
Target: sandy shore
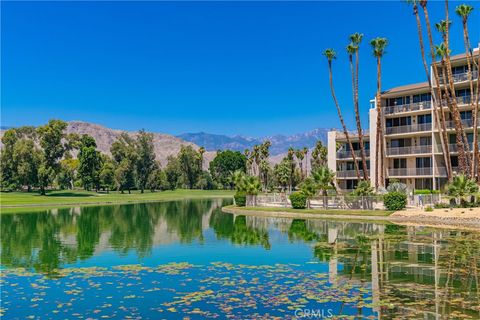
[[468, 219]]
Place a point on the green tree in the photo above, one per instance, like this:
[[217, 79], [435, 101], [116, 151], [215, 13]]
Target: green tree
[[281, 172], [252, 187], [172, 172], [107, 174], [225, 164], [189, 160], [309, 188], [205, 181], [51, 136], [364, 189], [7, 165], [146, 158], [157, 180], [68, 173], [319, 156], [89, 163], [125, 155], [324, 178], [26, 158]]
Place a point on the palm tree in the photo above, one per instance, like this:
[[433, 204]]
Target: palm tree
[[464, 11], [438, 92], [252, 187], [300, 156], [352, 49], [324, 179], [330, 54], [305, 155], [201, 151], [238, 179], [436, 100], [444, 28], [378, 45], [462, 188], [309, 188]]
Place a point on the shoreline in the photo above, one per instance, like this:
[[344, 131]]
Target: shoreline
[[406, 217]]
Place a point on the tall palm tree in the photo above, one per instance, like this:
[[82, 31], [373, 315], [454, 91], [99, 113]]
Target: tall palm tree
[[352, 49], [331, 55], [436, 100], [201, 151], [464, 11], [300, 156], [305, 155], [290, 155], [378, 45], [461, 138]]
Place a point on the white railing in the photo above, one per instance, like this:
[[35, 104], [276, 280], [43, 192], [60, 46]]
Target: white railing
[[402, 172], [460, 77], [409, 150], [466, 123], [344, 154], [409, 128], [423, 105], [348, 173]]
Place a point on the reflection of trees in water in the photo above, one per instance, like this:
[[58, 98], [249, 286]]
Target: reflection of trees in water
[[226, 226], [415, 272], [47, 240], [299, 231]]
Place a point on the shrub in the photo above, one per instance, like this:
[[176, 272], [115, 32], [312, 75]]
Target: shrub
[[422, 191], [395, 200], [428, 209], [442, 206], [240, 198], [299, 200], [396, 186]]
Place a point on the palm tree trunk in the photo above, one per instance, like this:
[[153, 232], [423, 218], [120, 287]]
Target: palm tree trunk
[[475, 123], [438, 92], [460, 133], [475, 155], [379, 176], [357, 115], [339, 111]]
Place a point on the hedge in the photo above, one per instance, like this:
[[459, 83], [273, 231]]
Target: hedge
[[299, 200], [395, 200]]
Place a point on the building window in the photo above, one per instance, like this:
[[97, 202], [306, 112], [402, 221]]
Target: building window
[[425, 141], [424, 118], [425, 183], [423, 162], [399, 163], [423, 97]]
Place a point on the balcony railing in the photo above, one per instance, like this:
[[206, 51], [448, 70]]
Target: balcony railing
[[345, 154], [402, 172], [460, 100], [409, 150], [460, 77], [442, 171], [409, 128], [348, 173], [466, 123], [424, 105], [453, 147]]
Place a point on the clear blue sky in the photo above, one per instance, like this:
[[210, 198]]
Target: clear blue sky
[[251, 68]]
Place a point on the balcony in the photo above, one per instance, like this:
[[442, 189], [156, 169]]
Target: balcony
[[409, 128], [409, 150], [453, 147], [466, 123], [348, 173], [424, 105], [460, 101], [460, 77], [405, 172], [346, 154]]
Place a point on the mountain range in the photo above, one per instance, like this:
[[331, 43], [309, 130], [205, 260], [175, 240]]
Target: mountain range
[[166, 145]]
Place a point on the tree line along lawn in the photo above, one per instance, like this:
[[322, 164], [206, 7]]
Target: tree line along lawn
[[379, 213], [76, 197]]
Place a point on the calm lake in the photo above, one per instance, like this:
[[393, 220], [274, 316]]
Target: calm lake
[[181, 259]]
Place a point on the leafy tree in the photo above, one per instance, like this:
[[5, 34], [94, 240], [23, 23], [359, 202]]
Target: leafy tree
[[107, 174], [146, 158], [225, 164], [364, 189], [89, 163], [238, 180], [172, 172], [26, 158], [281, 172], [51, 136], [189, 162], [205, 181], [157, 179], [125, 155], [68, 173], [7, 165]]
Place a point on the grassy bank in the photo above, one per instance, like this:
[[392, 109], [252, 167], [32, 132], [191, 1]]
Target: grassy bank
[[11, 200], [370, 213]]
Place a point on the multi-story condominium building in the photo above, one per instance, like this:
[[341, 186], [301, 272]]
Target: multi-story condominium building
[[413, 149]]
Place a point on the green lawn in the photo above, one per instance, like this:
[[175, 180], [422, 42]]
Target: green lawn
[[77, 197], [380, 213]]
